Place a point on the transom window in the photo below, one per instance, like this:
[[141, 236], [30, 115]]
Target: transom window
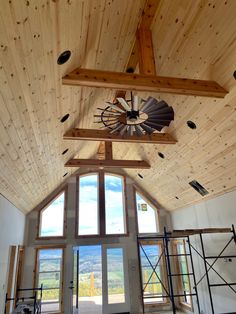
[[51, 218], [147, 215], [101, 204]]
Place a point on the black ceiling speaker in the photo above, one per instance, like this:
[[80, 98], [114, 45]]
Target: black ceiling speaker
[[135, 116]]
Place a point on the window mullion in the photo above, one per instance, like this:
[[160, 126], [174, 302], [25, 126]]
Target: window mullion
[[102, 214]]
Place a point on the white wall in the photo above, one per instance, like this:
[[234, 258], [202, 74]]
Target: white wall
[[12, 223], [218, 212]]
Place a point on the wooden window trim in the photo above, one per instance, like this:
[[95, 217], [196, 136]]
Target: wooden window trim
[[101, 206], [166, 301], [137, 190], [48, 203], [184, 305], [51, 247]]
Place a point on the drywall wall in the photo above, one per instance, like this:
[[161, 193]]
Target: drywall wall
[[12, 224], [218, 212]]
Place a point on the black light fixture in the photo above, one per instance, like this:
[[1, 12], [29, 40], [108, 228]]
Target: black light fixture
[[191, 125], [161, 155], [64, 57], [234, 75], [64, 118], [65, 174], [65, 151], [140, 176]]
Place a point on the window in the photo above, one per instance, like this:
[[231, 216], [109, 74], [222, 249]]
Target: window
[[49, 274], [153, 275], [114, 205], [49, 226], [182, 267], [88, 205], [147, 216], [101, 205]]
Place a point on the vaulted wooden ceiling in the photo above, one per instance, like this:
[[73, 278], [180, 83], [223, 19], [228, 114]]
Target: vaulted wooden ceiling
[[192, 39]]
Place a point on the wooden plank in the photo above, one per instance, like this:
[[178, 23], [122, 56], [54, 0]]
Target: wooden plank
[[140, 82], [104, 135], [146, 54], [198, 231], [101, 151], [10, 277], [134, 164]]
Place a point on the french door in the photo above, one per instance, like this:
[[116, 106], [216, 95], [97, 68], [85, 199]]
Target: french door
[[100, 280]]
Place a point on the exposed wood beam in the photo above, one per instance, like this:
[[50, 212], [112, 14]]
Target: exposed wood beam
[[146, 21], [140, 82], [133, 164], [104, 135], [145, 52], [108, 150], [101, 151]]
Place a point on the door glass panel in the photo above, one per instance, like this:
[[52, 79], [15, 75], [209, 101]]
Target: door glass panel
[[115, 275], [49, 275], [88, 205], [115, 217]]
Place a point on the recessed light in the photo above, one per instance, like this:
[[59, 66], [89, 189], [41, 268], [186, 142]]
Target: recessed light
[[130, 70], [140, 176], [65, 151], [161, 155], [191, 125], [234, 75], [64, 57], [63, 119], [65, 174], [177, 197]]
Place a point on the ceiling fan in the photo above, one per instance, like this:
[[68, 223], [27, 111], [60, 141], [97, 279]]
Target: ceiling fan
[[135, 116]]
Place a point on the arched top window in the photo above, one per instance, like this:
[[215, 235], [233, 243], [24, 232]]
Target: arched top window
[[147, 215], [51, 218], [101, 206]]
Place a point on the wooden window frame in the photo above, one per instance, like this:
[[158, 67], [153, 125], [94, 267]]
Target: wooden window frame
[[135, 191], [101, 206], [164, 278], [52, 247], [184, 305], [38, 237]]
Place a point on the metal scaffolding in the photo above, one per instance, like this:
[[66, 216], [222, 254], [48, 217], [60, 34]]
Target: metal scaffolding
[[167, 255]]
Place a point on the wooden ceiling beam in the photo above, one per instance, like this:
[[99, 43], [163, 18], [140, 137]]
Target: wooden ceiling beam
[[104, 135], [132, 164], [140, 82]]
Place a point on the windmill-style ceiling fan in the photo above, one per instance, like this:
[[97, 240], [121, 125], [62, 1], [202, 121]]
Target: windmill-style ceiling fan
[[135, 116]]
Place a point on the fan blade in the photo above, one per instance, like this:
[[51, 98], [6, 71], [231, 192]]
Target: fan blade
[[155, 126], [138, 130], [159, 121], [162, 110], [116, 108], [150, 102], [124, 103], [117, 128], [123, 130], [136, 103], [163, 116], [155, 106], [147, 128]]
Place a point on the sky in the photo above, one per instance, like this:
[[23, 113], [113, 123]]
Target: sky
[[146, 219]]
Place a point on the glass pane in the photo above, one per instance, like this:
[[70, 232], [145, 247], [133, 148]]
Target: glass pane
[[150, 255], [115, 276], [49, 226], [147, 216], [49, 274], [88, 205], [115, 220], [184, 270]]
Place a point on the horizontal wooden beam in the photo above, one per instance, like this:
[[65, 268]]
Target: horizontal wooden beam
[[104, 135], [141, 82], [133, 164]]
